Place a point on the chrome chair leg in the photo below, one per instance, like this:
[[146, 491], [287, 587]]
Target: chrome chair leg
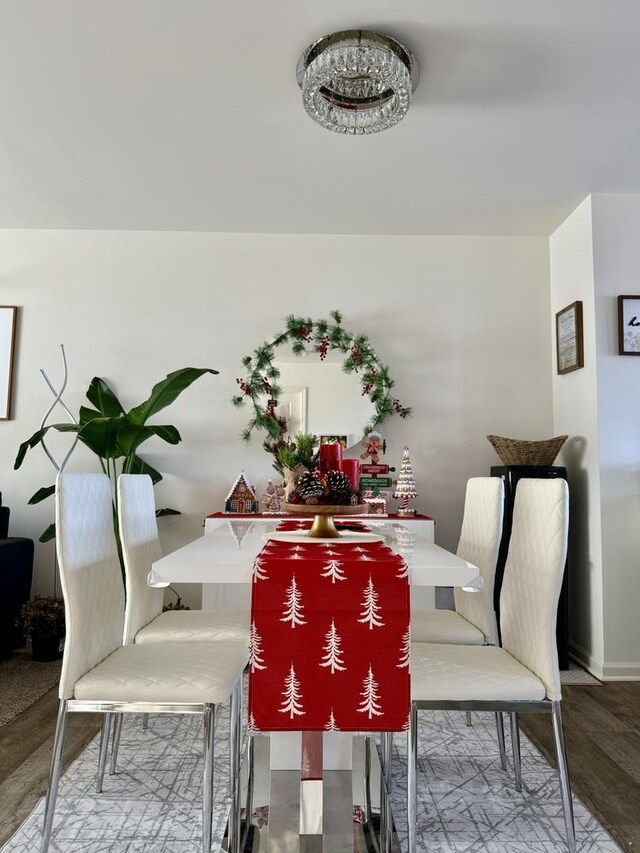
[[563, 772], [386, 748], [469, 720], [54, 775], [104, 747], [367, 780], [412, 774], [115, 746], [207, 784], [501, 744], [515, 748], [235, 759], [145, 722], [248, 809]]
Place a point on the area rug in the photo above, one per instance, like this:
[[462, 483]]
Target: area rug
[[24, 681], [466, 803]]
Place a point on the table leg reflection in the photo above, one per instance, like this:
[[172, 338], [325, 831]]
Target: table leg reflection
[[314, 809]]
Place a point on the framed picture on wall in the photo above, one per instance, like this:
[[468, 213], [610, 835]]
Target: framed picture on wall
[[569, 339], [629, 325], [7, 344]]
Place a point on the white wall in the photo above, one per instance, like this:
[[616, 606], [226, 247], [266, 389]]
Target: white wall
[[463, 323], [616, 252], [575, 412]]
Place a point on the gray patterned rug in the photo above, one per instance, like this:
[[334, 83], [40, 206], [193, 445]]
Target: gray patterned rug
[[467, 803]]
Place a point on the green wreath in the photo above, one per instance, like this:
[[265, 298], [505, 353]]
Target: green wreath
[[321, 336]]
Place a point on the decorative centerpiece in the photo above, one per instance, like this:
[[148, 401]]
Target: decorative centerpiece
[[324, 496], [406, 485]]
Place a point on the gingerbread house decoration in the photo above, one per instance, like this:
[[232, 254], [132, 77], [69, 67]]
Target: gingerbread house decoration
[[241, 500]]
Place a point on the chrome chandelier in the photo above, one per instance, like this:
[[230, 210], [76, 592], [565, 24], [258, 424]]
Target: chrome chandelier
[[357, 81]]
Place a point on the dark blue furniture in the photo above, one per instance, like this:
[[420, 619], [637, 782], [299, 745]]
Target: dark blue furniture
[[16, 572]]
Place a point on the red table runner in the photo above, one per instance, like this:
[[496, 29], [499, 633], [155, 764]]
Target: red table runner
[[329, 643]]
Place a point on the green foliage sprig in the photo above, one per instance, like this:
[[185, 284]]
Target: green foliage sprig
[[320, 336], [44, 616]]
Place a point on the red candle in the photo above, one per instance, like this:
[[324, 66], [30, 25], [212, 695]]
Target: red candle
[[330, 457], [351, 467]]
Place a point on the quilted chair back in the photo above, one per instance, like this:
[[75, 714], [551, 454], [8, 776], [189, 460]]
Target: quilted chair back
[[140, 547], [90, 574], [533, 577], [479, 544]]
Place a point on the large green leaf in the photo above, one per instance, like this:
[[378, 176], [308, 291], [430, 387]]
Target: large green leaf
[[87, 414], [49, 534], [136, 465], [104, 399], [37, 437], [131, 436], [165, 392], [101, 436], [42, 494]]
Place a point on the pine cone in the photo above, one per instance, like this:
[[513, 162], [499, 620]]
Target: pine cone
[[309, 486], [339, 486]]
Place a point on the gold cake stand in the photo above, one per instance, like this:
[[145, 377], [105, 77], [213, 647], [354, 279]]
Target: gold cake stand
[[323, 526]]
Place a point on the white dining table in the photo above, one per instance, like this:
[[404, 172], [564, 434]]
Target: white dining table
[[222, 557], [225, 555]]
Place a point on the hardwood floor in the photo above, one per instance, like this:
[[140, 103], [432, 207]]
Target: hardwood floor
[[602, 728], [602, 731]]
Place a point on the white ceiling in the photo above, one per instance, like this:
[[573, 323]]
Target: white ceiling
[[186, 115]]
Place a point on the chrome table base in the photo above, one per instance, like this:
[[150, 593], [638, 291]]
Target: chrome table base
[[344, 812]]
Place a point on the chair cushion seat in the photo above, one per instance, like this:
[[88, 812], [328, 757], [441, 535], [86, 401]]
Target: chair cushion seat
[[165, 672], [443, 626], [188, 626], [470, 673]]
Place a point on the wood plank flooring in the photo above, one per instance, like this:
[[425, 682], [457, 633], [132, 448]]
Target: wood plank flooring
[[602, 728]]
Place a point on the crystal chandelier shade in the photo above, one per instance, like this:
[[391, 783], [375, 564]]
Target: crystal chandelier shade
[[357, 81]]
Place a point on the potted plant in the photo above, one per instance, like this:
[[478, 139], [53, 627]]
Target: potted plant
[[43, 618], [296, 456]]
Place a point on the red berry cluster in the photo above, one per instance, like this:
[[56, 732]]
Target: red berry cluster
[[244, 387], [368, 385], [397, 405], [304, 333], [324, 347], [356, 354]]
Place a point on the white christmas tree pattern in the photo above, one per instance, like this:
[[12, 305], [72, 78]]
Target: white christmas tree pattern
[[251, 725], [370, 697], [255, 649], [293, 605], [405, 651], [292, 703], [330, 725], [404, 570], [259, 573], [370, 607], [332, 650], [333, 570]]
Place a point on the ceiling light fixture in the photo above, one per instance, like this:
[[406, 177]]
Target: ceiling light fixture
[[357, 81]]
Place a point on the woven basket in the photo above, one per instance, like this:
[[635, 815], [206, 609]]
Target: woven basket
[[515, 451]]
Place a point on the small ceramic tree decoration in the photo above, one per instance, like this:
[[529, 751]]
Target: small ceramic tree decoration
[[406, 485]]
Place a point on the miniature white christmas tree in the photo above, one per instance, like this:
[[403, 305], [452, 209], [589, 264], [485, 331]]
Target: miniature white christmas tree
[[406, 485], [292, 704], [370, 697], [370, 607], [334, 571], [255, 649], [405, 651], [251, 725], [332, 650], [293, 605]]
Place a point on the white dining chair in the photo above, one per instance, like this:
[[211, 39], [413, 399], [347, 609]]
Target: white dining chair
[[522, 676], [101, 675], [144, 620], [473, 622]]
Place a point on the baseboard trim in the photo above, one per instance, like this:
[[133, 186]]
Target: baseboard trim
[[604, 670]]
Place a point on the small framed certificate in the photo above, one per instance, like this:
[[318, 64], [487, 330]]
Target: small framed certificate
[[569, 339]]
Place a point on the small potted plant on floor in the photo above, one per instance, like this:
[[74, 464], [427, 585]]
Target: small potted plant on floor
[[43, 618]]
